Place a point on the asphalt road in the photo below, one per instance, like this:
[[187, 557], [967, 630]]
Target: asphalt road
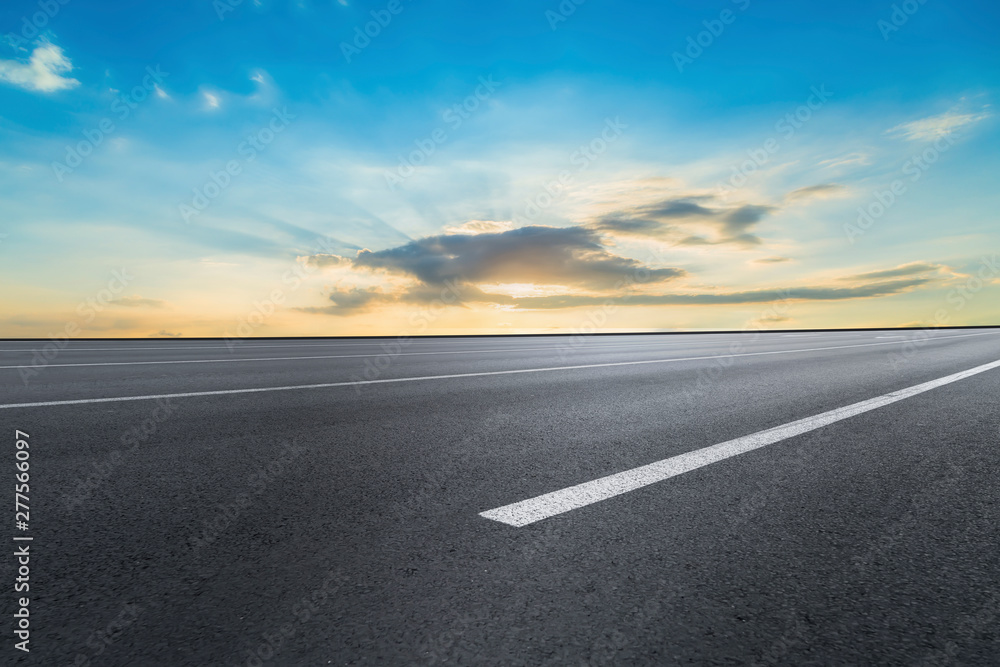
[[324, 521]]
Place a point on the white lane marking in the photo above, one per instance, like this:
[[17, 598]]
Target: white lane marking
[[326, 385], [327, 356], [558, 502]]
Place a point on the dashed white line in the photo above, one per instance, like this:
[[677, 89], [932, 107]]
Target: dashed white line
[[558, 502], [327, 385]]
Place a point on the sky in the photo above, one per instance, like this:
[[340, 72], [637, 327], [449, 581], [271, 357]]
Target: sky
[[245, 168]]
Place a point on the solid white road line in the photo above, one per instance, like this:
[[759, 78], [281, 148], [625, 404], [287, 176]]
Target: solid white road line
[[558, 502], [327, 385]]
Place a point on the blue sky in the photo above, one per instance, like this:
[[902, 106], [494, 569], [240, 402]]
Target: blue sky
[[906, 96]]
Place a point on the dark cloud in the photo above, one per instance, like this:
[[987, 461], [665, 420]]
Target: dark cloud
[[539, 255], [632, 226], [676, 208], [822, 190], [323, 260], [772, 260], [744, 240], [453, 267], [672, 220], [361, 299], [822, 293], [744, 217], [694, 240], [353, 300], [358, 297], [914, 268]]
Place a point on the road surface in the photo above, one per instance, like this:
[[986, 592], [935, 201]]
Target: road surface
[[778, 498]]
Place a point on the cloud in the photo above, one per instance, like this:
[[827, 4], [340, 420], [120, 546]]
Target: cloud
[[737, 222], [676, 208], [937, 127], [136, 301], [568, 256], [43, 72], [494, 267], [688, 221], [163, 333], [822, 191], [323, 260], [352, 300], [816, 293], [843, 160], [911, 269]]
